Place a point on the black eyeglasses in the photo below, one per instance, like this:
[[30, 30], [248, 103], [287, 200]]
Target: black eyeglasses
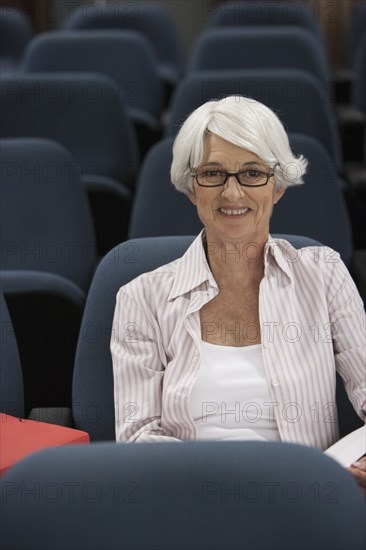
[[248, 178]]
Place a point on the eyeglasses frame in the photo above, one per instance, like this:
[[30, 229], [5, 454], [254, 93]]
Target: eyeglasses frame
[[236, 174]]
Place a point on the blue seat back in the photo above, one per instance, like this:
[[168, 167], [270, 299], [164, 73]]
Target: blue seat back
[[153, 21], [80, 111], [318, 208], [355, 30], [46, 223], [15, 33], [11, 378], [210, 495], [358, 91], [123, 56], [222, 48], [261, 12]]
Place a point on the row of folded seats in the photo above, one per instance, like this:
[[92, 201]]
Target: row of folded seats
[[142, 54], [156, 24], [81, 172]]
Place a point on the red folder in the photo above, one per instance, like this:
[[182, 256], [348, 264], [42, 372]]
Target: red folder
[[20, 437]]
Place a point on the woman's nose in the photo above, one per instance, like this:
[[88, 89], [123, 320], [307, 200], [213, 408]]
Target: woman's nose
[[232, 187]]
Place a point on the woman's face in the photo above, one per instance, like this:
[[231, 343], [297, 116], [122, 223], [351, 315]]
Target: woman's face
[[251, 225]]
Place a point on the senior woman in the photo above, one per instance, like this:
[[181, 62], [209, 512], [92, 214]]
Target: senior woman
[[241, 337]]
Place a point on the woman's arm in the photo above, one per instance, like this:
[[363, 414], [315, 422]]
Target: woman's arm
[[138, 370], [358, 470], [348, 323]]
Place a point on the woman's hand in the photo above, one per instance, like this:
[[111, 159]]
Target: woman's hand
[[358, 470]]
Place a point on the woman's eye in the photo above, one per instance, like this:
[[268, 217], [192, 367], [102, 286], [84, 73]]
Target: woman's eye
[[211, 173], [253, 174]]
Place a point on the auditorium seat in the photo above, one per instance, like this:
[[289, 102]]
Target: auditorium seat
[[123, 56], [297, 98], [158, 208], [256, 47], [207, 495], [358, 90], [356, 30], [82, 113], [46, 222], [270, 14], [152, 20], [15, 33], [48, 257]]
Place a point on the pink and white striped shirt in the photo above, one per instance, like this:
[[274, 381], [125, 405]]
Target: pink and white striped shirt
[[312, 323]]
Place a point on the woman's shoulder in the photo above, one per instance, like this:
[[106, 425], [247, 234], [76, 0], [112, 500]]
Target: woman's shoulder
[[319, 263], [304, 249], [158, 283], [152, 283]]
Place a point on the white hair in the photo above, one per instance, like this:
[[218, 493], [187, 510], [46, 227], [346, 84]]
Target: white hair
[[241, 121]]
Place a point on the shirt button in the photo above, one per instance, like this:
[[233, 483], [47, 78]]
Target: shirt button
[[275, 382]]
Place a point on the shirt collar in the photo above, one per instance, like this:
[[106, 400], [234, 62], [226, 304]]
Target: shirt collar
[[193, 269], [278, 249]]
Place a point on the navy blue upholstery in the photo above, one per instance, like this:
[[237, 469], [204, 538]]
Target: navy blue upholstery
[[149, 19], [11, 380], [328, 222], [124, 56], [15, 33], [356, 29], [261, 12], [181, 496], [158, 208], [297, 98], [47, 262], [316, 209], [358, 94], [257, 47], [93, 407], [46, 223], [80, 111]]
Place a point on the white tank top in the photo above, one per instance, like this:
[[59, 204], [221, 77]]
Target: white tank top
[[229, 397]]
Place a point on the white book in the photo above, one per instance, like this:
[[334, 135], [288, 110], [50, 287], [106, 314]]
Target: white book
[[350, 448]]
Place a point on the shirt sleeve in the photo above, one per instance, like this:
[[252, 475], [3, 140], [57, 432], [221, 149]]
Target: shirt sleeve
[[348, 326], [138, 370]]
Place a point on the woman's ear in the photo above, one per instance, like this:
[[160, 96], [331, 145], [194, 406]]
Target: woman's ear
[[278, 194], [192, 197]]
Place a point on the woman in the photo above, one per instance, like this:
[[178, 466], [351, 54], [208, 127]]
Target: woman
[[242, 336]]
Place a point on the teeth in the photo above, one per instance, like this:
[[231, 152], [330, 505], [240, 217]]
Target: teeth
[[234, 212]]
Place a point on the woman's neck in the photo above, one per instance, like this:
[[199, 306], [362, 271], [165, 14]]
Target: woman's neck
[[235, 263]]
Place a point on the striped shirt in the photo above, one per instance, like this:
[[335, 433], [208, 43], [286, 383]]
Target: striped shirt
[[312, 323]]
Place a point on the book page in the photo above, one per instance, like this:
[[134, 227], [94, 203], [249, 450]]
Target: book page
[[350, 448]]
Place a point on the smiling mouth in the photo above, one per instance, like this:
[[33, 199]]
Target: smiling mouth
[[230, 212]]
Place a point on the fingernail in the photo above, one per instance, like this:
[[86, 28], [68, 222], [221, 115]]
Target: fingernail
[[356, 464]]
